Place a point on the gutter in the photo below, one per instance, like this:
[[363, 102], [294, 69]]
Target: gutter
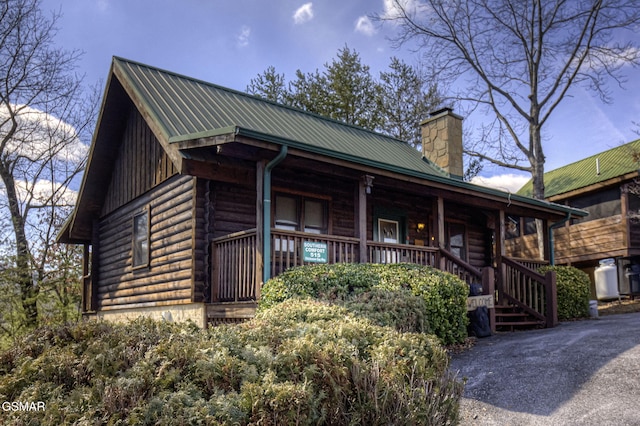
[[552, 251], [266, 213]]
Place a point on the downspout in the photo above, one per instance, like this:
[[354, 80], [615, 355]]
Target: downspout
[[552, 260], [266, 213]]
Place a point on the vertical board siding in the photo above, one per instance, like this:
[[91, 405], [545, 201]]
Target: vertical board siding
[[169, 275], [141, 164]]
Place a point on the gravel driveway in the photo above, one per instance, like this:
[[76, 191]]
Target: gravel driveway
[[579, 373]]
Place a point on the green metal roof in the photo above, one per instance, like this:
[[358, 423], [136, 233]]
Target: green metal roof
[[597, 168], [186, 108]]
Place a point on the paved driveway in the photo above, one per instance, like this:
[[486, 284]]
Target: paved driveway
[[579, 373]]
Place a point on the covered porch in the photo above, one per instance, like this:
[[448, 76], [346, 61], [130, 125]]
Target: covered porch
[[238, 262]]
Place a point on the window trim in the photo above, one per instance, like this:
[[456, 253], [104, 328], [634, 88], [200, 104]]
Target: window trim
[[135, 241]]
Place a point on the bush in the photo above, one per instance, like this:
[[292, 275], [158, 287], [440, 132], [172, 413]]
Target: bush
[[304, 362], [573, 291], [442, 310]]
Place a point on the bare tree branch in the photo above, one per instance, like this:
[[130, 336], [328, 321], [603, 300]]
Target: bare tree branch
[[517, 61]]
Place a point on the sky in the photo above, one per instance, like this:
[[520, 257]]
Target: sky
[[229, 42]]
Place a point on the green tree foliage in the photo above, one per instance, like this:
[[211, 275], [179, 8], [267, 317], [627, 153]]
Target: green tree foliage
[[405, 99], [269, 85], [393, 104]]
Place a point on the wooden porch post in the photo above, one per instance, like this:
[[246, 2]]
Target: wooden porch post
[[259, 226], [500, 251], [86, 279], [363, 185], [551, 297], [95, 271], [624, 213], [442, 242], [489, 287]]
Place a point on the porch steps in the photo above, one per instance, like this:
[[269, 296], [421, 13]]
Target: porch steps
[[512, 318]]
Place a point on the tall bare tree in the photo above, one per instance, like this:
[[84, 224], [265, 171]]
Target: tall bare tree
[[517, 60], [43, 112]]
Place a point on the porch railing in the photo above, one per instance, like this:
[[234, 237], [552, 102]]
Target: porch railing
[[234, 259], [532, 292], [395, 253], [287, 249], [234, 265]]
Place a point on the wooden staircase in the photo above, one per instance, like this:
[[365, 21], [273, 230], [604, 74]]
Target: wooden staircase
[[512, 318]]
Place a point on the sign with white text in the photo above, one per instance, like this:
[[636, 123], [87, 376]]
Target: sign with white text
[[314, 252], [474, 302]]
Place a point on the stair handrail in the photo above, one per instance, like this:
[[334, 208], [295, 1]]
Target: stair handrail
[[548, 281], [466, 267]]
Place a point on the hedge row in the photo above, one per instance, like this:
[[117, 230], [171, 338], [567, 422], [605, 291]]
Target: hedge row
[[405, 296]]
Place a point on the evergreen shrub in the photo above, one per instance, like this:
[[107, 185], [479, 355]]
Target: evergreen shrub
[[574, 291], [442, 310], [303, 362]]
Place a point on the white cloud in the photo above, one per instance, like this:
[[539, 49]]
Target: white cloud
[[394, 9], [508, 182], [303, 14], [42, 135], [243, 38], [365, 26], [42, 192]]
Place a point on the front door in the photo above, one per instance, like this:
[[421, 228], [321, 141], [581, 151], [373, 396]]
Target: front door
[[389, 228]]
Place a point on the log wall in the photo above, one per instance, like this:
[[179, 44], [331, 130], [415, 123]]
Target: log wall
[[169, 277]]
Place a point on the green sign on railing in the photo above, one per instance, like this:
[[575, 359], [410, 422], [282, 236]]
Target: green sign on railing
[[314, 252]]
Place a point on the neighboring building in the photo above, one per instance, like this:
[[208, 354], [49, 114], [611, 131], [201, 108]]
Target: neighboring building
[[605, 185], [195, 194]]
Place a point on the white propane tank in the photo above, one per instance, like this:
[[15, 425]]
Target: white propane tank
[[606, 276]]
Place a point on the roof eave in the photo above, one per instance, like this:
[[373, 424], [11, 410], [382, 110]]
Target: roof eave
[[508, 198]]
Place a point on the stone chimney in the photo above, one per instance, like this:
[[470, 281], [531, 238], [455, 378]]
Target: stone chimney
[[442, 141]]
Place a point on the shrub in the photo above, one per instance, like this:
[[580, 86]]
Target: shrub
[[304, 362], [573, 291], [442, 310]]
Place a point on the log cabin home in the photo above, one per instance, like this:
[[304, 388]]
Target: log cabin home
[[194, 195], [606, 186]]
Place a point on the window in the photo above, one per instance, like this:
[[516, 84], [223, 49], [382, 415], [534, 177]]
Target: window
[[456, 240], [141, 240], [301, 213]]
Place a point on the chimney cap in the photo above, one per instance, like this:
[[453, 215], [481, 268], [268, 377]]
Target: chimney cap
[[441, 111]]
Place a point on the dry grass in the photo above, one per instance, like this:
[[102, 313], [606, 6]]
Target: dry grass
[[623, 306]]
